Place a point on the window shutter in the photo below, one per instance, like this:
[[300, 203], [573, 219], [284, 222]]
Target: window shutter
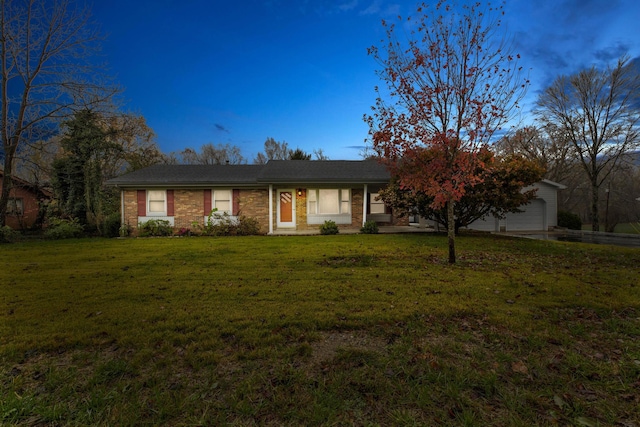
[[207, 202], [368, 203], [235, 200], [142, 203], [170, 204]]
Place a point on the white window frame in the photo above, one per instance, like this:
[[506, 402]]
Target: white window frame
[[342, 204], [156, 215], [345, 201], [149, 201], [378, 204], [15, 206], [312, 201], [219, 195]]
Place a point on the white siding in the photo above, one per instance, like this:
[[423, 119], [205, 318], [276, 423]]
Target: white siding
[[532, 219], [549, 193], [539, 215], [488, 223]]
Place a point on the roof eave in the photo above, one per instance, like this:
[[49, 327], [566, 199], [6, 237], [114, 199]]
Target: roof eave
[[184, 184]]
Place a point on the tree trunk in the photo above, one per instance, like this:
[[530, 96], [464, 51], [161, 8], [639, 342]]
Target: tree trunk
[[6, 188], [595, 218], [451, 234]]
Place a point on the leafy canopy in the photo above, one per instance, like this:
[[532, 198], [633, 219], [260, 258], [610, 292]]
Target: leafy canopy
[[501, 190], [451, 85]]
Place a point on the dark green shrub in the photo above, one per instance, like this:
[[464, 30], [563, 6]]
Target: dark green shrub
[[569, 220], [111, 225], [223, 224], [184, 232], [155, 228], [59, 228], [124, 230], [218, 224], [8, 234], [370, 227], [329, 227], [247, 226]]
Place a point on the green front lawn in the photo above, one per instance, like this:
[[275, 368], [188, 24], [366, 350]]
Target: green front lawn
[[319, 330], [626, 228]]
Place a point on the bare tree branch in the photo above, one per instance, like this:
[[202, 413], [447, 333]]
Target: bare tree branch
[[46, 71], [598, 112]]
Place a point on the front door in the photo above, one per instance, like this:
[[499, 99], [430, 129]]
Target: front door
[[286, 208]]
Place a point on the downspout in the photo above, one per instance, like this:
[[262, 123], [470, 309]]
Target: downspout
[[122, 207], [364, 205], [270, 208]]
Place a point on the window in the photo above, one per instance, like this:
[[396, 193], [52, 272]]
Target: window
[[221, 200], [345, 202], [376, 206], [157, 202], [328, 201], [15, 206], [312, 201]]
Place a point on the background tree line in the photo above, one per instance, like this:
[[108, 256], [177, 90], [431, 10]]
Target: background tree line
[[60, 121], [93, 147], [587, 137], [453, 83]]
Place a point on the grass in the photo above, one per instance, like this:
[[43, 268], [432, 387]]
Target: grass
[[319, 330], [626, 228]]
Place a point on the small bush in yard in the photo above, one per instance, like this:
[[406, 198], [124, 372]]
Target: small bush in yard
[[60, 228], [369, 227], [223, 224], [184, 232], [111, 225], [247, 226], [8, 234], [218, 224], [569, 220], [329, 227], [155, 228], [124, 230]]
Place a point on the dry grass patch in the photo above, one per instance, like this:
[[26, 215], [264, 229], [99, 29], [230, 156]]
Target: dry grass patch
[[348, 330], [325, 349]]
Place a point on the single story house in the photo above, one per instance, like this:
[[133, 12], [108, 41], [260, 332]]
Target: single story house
[[282, 195], [25, 204], [539, 215]]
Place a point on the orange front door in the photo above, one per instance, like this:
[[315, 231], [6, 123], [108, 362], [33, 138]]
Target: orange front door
[[286, 206]]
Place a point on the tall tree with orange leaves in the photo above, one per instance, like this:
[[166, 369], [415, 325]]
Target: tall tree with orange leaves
[[452, 84]]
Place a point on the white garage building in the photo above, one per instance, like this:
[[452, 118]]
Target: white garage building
[[539, 215]]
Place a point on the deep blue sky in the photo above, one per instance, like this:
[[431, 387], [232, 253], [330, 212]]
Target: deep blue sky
[[210, 71]]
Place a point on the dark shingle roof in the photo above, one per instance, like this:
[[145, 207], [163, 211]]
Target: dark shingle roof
[[328, 171], [275, 171], [190, 175]]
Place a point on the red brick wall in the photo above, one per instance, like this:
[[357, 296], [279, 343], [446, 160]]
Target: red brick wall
[[252, 203], [30, 208], [255, 204], [189, 207]]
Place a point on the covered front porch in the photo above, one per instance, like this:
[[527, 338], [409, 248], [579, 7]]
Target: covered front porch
[[390, 229]]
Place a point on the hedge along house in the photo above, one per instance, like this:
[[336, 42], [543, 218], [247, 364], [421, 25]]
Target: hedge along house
[[283, 195]]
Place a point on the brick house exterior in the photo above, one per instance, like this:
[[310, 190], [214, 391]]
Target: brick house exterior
[[280, 195], [25, 203]]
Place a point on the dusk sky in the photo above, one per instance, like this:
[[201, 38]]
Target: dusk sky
[[239, 72]]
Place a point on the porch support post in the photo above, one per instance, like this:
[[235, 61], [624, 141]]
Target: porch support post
[[364, 205], [270, 208]]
